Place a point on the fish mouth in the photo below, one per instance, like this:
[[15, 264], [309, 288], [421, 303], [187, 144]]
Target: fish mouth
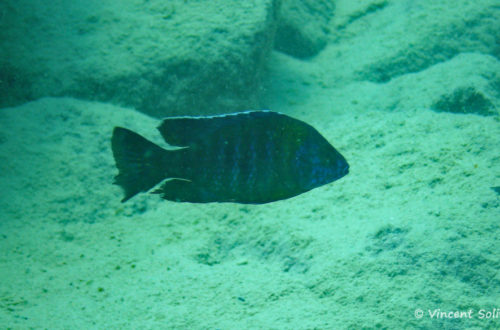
[[343, 171], [346, 169]]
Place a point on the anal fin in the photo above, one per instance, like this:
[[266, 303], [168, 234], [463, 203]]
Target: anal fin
[[181, 190]]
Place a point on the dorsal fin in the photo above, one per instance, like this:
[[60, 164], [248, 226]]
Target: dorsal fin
[[185, 131]]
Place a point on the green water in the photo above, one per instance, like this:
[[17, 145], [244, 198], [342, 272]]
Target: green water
[[407, 91]]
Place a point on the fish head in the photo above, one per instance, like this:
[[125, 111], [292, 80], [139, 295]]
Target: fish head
[[318, 163]]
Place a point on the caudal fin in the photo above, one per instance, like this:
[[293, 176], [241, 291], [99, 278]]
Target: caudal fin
[[141, 163]]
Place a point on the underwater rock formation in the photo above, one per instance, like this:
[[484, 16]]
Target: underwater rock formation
[[303, 27], [161, 58]]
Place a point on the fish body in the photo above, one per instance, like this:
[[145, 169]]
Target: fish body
[[251, 157]]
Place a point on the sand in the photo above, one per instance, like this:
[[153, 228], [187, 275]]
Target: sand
[[413, 227]]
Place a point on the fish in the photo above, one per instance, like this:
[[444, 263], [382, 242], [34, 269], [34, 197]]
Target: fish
[[251, 157]]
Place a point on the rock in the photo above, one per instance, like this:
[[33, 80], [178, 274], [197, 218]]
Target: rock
[[465, 100], [379, 40], [347, 12], [303, 27], [431, 38], [160, 57], [468, 83]]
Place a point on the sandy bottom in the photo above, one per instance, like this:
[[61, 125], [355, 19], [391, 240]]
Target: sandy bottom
[[413, 227]]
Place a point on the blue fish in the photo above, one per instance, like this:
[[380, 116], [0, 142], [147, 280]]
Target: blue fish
[[251, 157]]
